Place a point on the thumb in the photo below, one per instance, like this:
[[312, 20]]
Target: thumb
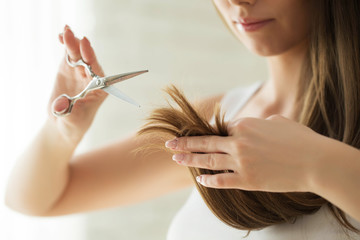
[[60, 104]]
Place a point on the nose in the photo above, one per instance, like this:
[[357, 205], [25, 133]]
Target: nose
[[242, 2]]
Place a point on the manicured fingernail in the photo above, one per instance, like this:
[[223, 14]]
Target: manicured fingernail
[[198, 179], [178, 157], [67, 28], [171, 143]]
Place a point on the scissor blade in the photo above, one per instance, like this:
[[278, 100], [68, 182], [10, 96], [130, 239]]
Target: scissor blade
[[121, 77], [117, 93]]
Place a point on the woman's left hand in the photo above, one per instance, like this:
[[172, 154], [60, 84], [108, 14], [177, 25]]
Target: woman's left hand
[[273, 154]]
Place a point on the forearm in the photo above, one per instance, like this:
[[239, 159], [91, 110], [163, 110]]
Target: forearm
[[337, 177], [41, 173]]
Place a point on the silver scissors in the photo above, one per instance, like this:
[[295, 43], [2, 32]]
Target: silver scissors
[[97, 82]]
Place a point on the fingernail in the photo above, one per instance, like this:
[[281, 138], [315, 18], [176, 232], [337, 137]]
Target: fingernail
[[178, 157], [198, 179], [68, 28], [171, 143]]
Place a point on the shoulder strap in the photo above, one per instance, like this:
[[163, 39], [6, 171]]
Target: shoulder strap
[[234, 99]]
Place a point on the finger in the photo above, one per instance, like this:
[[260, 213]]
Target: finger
[[61, 38], [72, 45], [60, 104], [66, 27], [221, 180], [207, 144], [61, 35], [214, 161], [88, 55], [243, 124]]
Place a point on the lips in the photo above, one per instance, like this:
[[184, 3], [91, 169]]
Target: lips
[[249, 20], [251, 24]]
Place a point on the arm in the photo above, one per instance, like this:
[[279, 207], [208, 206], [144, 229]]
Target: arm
[[277, 155], [110, 176], [48, 180], [336, 176]]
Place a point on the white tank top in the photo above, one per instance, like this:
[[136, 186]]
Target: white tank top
[[195, 220]]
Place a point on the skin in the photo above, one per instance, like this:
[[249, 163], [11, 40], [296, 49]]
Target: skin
[[272, 152], [49, 180], [267, 149]]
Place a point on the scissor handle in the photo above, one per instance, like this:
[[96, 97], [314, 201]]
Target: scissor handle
[[66, 111], [80, 62], [96, 83]]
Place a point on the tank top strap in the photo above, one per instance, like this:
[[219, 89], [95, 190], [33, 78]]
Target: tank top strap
[[236, 98]]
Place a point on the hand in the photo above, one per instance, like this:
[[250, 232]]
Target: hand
[[273, 154], [72, 81]]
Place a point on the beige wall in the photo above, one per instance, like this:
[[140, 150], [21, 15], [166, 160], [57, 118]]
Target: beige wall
[[181, 42]]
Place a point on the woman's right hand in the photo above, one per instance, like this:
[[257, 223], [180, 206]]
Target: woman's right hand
[[72, 81]]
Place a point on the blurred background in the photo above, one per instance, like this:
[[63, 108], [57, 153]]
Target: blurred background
[[180, 42]]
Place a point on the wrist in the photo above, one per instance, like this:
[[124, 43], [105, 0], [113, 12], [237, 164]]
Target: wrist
[[332, 166], [69, 136]]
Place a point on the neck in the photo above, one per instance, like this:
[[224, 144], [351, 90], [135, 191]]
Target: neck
[[285, 72]]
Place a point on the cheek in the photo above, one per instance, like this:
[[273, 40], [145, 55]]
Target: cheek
[[279, 38], [294, 22], [290, 28]]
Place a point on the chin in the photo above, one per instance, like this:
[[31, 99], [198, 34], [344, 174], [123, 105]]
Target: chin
[[263, 50], [266, 49]]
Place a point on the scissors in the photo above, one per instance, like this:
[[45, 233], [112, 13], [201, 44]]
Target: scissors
[[97, 82]]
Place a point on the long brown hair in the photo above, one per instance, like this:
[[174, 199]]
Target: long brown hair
[[330, 105], [331, 86]]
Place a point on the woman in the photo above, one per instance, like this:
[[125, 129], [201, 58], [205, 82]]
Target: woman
[[313, 54]]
